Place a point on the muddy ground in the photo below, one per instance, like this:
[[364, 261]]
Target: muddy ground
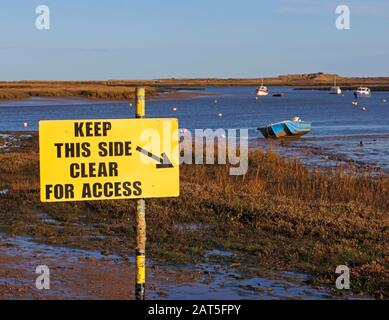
[[92, 275]]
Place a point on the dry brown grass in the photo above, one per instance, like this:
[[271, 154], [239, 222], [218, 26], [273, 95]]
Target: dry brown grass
[[104, 90], [284, 214]]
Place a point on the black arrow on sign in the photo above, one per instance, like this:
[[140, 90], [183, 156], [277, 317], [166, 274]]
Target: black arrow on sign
[[164, 162]]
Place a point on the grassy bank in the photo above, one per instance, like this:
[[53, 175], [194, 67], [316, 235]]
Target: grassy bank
[[103, 90], [279, 216], [124, 89]]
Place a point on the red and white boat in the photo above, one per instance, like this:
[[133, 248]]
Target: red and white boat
[[262, 91]]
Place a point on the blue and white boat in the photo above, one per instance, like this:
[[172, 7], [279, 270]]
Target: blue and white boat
[[362, 92], [288, 128]]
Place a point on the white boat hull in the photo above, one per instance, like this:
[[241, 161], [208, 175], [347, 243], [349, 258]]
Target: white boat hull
[[362, 93], [262, 93]]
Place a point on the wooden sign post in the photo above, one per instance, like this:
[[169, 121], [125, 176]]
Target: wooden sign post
[[140, 221]]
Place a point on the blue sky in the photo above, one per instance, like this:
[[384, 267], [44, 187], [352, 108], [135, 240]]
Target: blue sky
[[144, 39]]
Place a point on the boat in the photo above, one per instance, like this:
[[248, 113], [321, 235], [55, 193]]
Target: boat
[[336, 89], [287, 128], [362, 92], [262, 90]]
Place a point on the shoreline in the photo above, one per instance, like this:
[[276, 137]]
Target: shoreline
[[373, 88], [316, 153], [124, 89], [320, 157], [169, 95], [312, 156]]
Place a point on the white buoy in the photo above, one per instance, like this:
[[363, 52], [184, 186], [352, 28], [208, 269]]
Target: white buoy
[[174, 109], [216, 101], [25, 125], [364, 108], [220, 115]]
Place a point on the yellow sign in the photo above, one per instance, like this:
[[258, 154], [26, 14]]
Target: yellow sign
[[83, 160]]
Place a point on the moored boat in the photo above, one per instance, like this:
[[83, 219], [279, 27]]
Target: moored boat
[[294, 127], [362, 92], [262, 90], [336, 89]]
